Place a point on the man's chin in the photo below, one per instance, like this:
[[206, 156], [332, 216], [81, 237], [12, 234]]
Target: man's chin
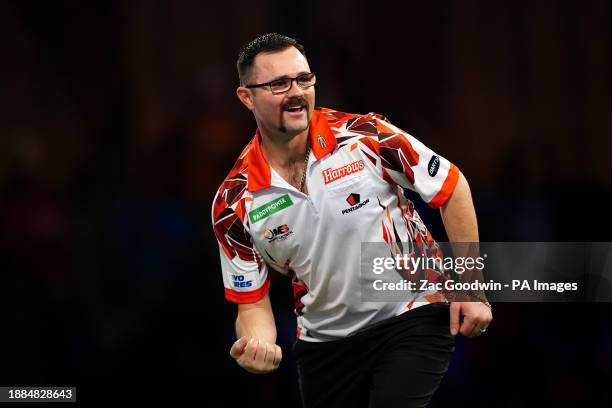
[[294, 128]]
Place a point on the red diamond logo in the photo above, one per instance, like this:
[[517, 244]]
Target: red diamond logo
[[353, 199]]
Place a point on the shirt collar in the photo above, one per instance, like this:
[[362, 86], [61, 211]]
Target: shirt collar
[[322, 141]]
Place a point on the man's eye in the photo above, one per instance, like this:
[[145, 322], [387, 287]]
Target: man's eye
[[281, 83], [305, 79]]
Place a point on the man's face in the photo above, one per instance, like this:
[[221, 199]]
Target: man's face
[[272, 111]]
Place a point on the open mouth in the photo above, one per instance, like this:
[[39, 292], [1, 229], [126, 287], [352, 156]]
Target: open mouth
[[296, 109]]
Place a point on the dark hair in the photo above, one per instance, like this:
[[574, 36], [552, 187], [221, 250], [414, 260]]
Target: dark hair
[[263, 43]]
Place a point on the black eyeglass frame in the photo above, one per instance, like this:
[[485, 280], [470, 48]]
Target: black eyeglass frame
[[284, 79]]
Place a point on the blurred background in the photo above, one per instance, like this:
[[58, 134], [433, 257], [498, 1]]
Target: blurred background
[[119, 121]]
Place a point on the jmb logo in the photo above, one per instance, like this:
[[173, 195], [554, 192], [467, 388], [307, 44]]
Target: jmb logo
[[281, 231], [271, 233]]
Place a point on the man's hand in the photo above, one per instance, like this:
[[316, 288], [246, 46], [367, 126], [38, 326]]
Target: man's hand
[[469, 318], [256, 356]]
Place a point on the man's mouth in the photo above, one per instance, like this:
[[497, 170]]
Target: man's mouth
[[295, 107]]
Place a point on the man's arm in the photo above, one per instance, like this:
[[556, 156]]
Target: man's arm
[[459, 218], [256, 350], [458, 214], [256, 320]]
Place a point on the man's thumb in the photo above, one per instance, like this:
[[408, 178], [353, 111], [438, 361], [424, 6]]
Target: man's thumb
[[455, 310], [238, 347]]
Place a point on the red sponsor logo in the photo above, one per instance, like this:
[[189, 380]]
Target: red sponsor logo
[[331, 175]]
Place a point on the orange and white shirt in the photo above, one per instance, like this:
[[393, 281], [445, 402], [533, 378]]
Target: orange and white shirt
[[355, 178]]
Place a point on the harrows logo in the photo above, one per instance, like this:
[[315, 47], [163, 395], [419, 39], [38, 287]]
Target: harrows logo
[[330, 175], [279, 233], [355, 203]]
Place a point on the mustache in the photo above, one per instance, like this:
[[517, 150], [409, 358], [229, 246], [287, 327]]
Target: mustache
[[294, 101]]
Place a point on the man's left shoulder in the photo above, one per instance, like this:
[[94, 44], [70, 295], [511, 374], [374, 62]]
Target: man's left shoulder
[[345, 123], [339, 115]]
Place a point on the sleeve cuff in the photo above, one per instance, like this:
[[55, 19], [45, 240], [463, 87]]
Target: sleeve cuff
[[247, 297], [447, 188]]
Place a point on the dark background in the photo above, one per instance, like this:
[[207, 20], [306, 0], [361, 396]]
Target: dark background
[[118, 120]]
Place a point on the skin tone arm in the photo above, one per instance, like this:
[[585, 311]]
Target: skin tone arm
[[256, 350], [459, 219]]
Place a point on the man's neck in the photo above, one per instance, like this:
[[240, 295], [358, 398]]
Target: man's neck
[[284, 151]]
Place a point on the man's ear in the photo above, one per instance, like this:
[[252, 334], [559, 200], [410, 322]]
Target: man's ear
[[245, 96]]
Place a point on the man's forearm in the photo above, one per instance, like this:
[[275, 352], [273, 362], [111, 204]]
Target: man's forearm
[[256, 325], [458, 214], [255, 349], [256, 320], [459, 219]]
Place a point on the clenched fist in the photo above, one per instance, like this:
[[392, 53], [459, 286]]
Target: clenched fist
[[256, 356]]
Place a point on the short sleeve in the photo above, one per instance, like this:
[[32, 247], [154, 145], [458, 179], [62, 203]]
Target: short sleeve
[[245, 273], [411, 164]]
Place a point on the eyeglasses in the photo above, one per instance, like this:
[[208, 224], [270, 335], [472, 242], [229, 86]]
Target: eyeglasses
[[282, 85]]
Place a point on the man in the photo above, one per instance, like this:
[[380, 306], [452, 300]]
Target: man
[[310, 187]]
